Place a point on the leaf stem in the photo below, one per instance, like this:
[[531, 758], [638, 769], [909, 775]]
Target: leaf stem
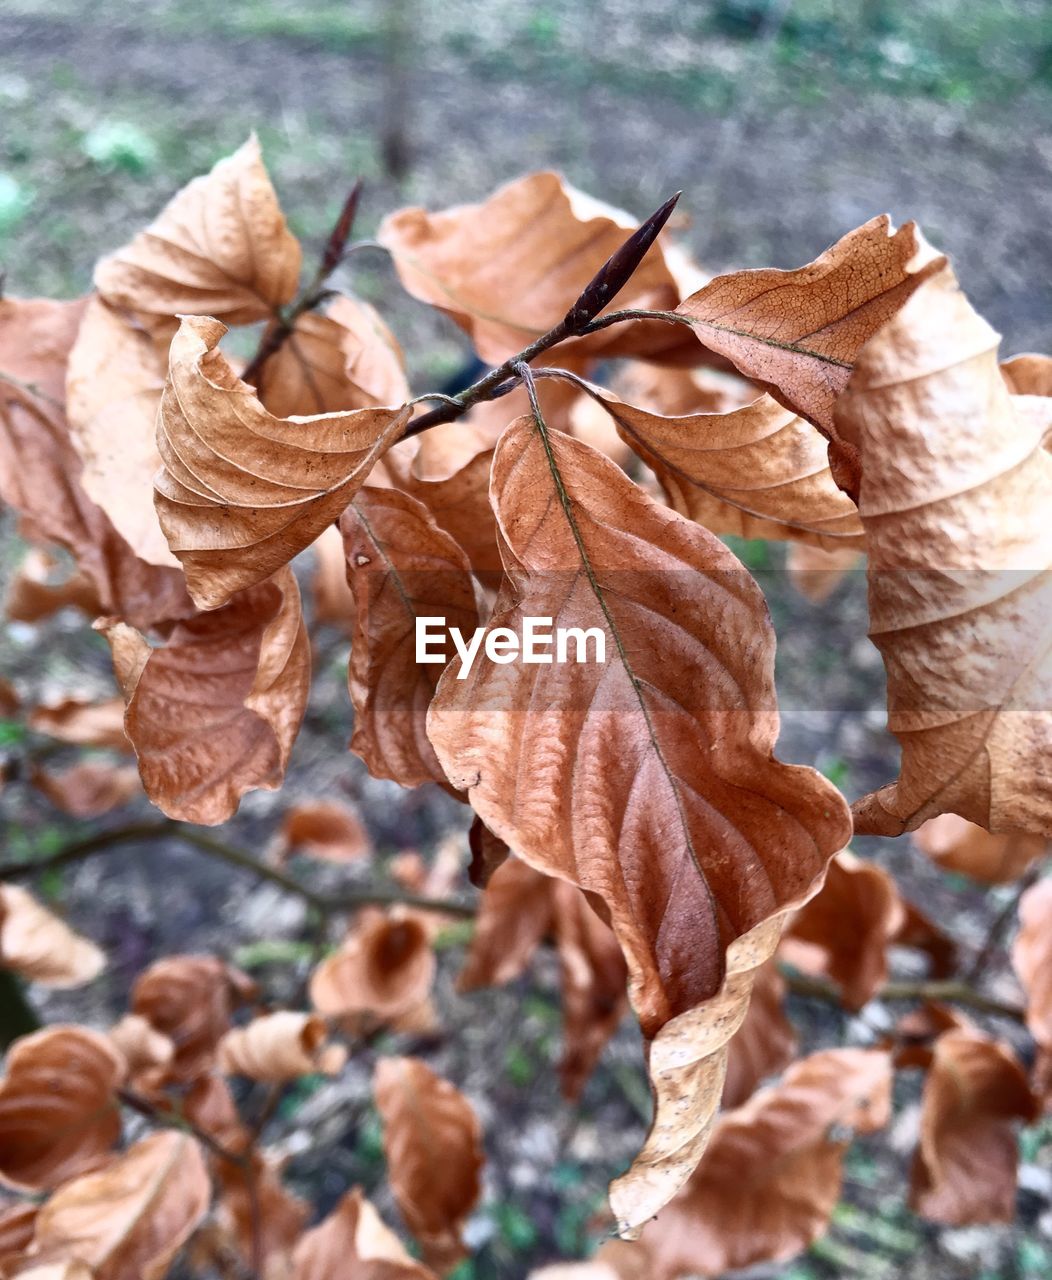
[[951, 991]]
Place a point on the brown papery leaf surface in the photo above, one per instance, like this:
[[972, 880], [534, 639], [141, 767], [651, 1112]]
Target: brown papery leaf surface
[[760, 471], [327, 829], [113, 387], [280, 1046], [647, 780], [353, 1242], [33, 594], [88, 789], [221, 248], [844, 932], [190, 1000], [83, 723], [344, 359], [955, 844], [429, 1126], [1032, 960], [58, 1109], [1028, 374], [798, 332], [508, 269], [40, 471], [128, 1221], [41, 947], [241, 492], [954, 502], [975, 1095], [763, 1044], [770, 1179], [401, 567], [816, 573], [214, 711]]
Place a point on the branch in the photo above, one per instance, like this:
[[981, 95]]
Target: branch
[[166, 828], [949, 991], [169, 1119]]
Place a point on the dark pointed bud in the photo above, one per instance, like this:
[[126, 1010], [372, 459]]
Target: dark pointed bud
[[341, 232], [618, 269]]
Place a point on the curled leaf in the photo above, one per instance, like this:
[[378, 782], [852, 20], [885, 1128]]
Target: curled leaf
[[353, 1241], [83, 723], [41, 947], [280, 1046], [953, 500], [214, 712], [58, 1109], [955, 844], [326, 829], [428, 1124], [88, 789], [650, 779], [32, 595], [221, 247], [140, 1045], [763, 1044]]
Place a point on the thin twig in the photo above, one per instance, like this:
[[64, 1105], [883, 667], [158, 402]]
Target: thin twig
[[176, 1120], [949, 991]]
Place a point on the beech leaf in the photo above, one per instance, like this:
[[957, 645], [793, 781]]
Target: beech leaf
[[280, 1046], [815, 572], [241, 492], [1032, 959], [649, 779], [41, 947], [352, 1243], [325, 829], [763, 1044], [88, 789], [955, 844]]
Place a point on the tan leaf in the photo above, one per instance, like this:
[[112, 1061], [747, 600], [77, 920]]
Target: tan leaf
[[844, 932], [209, 1104], [113, 387], [770, 1179], [650, 779], [221, 247], [515, 915], [798, 332], [385, 968], [141, 1047], [765, 1042], [326, 829], [83, 723], [615, 1260], [815, 572], [955, 844], [1028, 374], [964, 1169], [459, 505], [488, 853], [189, 999], [58, 1109], [352, 1243], [17, 1222], [1032, 959], [241, 492], [31, 595], [40, 471], [953, 501], [38, 945], [257, 1211], [88, 789], [401, 567], [921, 932], [345, 359], [333, 600], [677, 392], [759, 471], [508, 269], [429, 1125], [280, 1046], [128, 1221], [214, 712], [66, 1270]]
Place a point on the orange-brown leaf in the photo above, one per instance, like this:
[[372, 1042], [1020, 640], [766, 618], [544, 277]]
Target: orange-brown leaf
[[815, 572], [88, 789], [352, 1243], [955, 844], [83, 723], [429, 1125], [326, 829], [41, 947], [32, 594], [241, 492], [1032, 959], [280, 1046]]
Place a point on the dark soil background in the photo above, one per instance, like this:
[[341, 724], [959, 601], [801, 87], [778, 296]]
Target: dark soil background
[[786, 125]]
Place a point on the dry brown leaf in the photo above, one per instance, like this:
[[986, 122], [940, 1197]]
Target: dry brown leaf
[[333, 600], [345, 359], [844, 932], [765, 1042], [209, 1104], [190, 999], [508, 269], [40, 471], [385, 968], [70, 1270], [759, 471], [428, 1125], [515, 915], [214, 712], [615, 1260], [326, 829], [220, 247], [128, 1221], [242, 492], [953, 499], [17, 1222], [798, 332], [83, 723], [921, 932], [352, 1243], [651, 780], [955, 844], [281, 1215], [113, 387], [32, 596], [770, 1179], [88, 789], [141, 1047], [41, 947], [58, 1109], [401, 567], [10, 702], [677, 392], [1032, 960], [488, 853], [1028, 374], [280, 1046], [964, 1169], [816, 572]]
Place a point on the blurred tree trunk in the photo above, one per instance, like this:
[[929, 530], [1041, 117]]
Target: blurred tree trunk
[[396, 126]]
